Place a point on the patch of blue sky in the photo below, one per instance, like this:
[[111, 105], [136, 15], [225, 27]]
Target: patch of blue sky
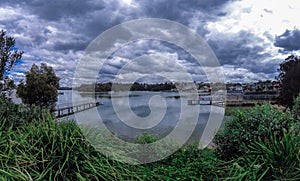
[[13, 48], [19, 62]]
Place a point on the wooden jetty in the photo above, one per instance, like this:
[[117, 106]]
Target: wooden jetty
[[71, 108], [199, 102]]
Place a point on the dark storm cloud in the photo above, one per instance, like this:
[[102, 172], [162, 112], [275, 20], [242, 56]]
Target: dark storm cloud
[[289, 40], [75, 45], [182, 11], [56, 9], [93, 24], [232, 49], [60, 30], [173, 9], [8, 24], [243, 49], [114, 12], [90, 18], [36, 41]]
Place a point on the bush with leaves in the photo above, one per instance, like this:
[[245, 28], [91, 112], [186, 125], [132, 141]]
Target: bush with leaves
[[40, 88], [150, 147], [34, 146], [289, 77], [188, 163], [247, 126], [276, 159], [296, 108], [20, 115]]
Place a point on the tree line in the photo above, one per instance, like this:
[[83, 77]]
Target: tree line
[[136, 86]]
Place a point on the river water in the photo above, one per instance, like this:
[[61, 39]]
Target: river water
[[156, 113]]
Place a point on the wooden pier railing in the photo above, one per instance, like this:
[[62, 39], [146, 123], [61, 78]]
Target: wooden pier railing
[[71, 108]]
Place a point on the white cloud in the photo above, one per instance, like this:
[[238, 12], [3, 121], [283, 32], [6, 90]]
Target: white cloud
[[259, 16], [9, 13]]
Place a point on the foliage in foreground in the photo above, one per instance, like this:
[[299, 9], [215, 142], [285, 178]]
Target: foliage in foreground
[[17, 115], [54, 151], [43, 149], [277, 158], [189, 163], [296, 108], [250, 125], [264, 142]]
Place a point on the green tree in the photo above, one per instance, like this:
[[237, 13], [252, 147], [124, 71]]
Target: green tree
[[289, 77], [40, 88], [9, 55]]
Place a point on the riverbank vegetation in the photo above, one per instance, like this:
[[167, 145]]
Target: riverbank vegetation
[[40, 87], [259, 143]]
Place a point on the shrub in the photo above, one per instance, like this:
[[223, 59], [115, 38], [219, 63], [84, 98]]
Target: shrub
[[18, 114], [188, 163], [36, 147], [149, 148], [145, 138], [47, 150], [263, 141], [296, 108], [276, 159], [295, 125], [246, 126]]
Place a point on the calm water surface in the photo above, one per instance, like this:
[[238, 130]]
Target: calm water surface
[[139, 105]]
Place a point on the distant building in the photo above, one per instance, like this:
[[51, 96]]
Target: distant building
[[234, 97]]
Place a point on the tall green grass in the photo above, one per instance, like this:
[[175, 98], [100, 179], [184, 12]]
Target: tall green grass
[[277, 158], [55, 151], [33, 146]]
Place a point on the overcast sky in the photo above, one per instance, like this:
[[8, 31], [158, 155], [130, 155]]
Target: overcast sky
[[249, 37]]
